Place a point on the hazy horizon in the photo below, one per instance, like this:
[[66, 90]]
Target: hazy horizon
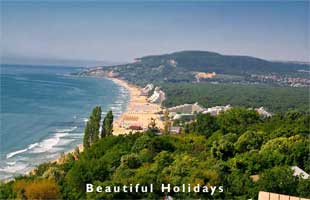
[[123, 30]]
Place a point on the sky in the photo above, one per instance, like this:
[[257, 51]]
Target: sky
[[123, 30]]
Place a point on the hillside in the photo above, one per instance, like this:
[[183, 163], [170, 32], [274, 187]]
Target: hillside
[[206, 61], [274, 99], [183, 67], [236, 150]]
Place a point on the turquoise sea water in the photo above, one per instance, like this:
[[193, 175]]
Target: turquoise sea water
[[44, 111]]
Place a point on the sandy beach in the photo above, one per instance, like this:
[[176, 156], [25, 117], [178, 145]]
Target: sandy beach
[[139, 111]]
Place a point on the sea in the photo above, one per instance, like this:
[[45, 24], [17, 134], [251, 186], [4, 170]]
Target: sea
[[44, 110]]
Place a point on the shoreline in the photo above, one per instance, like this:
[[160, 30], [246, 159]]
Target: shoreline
[[143, 117], [119, 82], [138, 112]]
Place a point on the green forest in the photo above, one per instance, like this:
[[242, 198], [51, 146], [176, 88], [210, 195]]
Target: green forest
[[274, 99], [207, 61], [229, 150], [181, 67]]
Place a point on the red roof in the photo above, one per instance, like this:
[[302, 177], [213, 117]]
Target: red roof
[[134, 127]]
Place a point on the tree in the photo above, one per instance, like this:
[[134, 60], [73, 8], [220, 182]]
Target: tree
[[107, 125], [86, 139], [145, 158], [37, 189], [103, 130], [236, 120], [152, 127], [248, 141], [224, 148], [239, 184], [96, 118], [303, 188], [131, 160], [205, 124], [278, 180], [76, 152], [187, 128], [167, 125], [91, 133], [6, 191], [291, 151], [142, 142]]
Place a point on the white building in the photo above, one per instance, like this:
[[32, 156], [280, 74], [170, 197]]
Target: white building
[[158, 96], [145, 91], [217, 110], [299, 172], [261, 111], [187, 108]]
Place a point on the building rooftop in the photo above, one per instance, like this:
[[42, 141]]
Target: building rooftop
[[299, 172], [274, 196], [187, 108]]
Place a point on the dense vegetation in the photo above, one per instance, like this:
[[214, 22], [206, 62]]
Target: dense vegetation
[[206, 61], [224, 150], [107, 125], [92, 129], [182, 67], [91, 133], [274, 99]]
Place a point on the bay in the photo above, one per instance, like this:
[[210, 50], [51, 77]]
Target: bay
[[44, 111]]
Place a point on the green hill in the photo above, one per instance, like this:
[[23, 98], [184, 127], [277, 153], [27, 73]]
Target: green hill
[[206, 61], [183, 66], [227, 150], [274, 99]]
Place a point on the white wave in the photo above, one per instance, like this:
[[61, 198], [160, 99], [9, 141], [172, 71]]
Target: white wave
[[31, 146], [11, 163], [21, 79], [55, 150], [63, 142], [52, 156], [6, 177], [76, 137], [66, 129], [76, 134], [9, 155], [118, 104], [49, 143], [14, 168]]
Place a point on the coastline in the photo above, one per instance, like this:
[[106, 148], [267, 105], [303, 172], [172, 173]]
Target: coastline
[[131, 116], [60, 158], [138, 112]]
